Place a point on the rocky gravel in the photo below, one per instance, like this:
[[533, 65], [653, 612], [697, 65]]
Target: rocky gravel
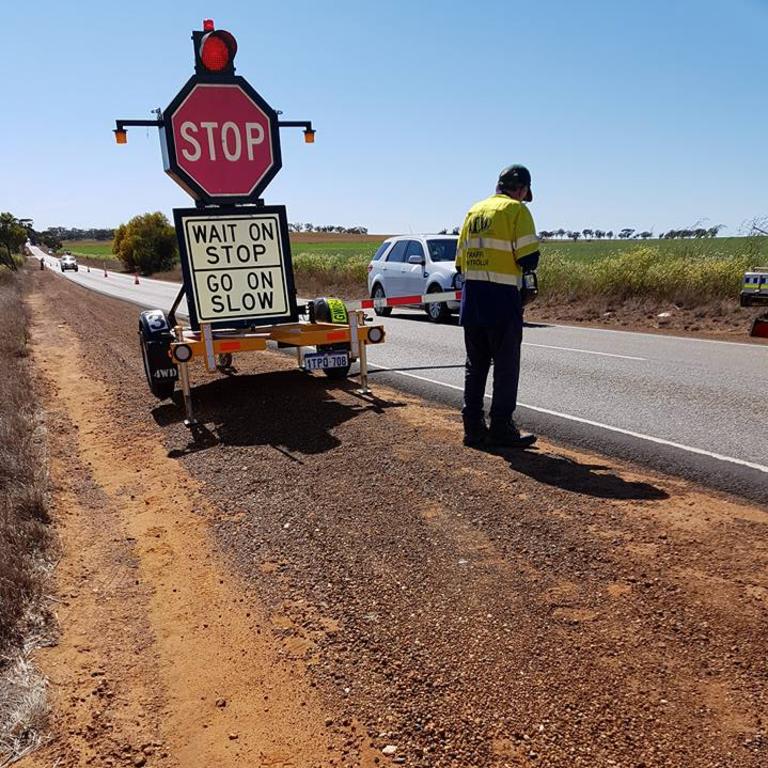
[[460, 608]]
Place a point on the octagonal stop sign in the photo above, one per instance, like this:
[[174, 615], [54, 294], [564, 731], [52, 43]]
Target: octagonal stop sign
[[221, 141]]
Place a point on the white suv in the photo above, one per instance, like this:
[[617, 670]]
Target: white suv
[[411, 265], [68, 261]]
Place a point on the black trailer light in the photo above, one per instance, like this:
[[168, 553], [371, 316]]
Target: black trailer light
[[182, 353], [121, 135], [375, 335], [309, 136]]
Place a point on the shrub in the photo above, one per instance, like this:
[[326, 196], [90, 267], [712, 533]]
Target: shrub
[[147, 244]]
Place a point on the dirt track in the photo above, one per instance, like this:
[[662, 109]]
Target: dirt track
[[330, 577]]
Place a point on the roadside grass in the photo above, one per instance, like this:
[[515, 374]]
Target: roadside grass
[[644, 272], [25, 539], [683, 272], [686, 272], [718, 247]]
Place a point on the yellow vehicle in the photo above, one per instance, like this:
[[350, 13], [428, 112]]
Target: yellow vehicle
[[754, 287]]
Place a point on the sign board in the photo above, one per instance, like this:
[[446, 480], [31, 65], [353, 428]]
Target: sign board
[[236, 264], [221, 140]]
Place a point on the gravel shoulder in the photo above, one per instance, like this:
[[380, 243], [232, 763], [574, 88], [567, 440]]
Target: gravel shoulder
[[392, 588]]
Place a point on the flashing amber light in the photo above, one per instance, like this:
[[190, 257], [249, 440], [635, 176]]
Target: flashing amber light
[[208, 25], [309, 136], [121, 135], [217, 50]]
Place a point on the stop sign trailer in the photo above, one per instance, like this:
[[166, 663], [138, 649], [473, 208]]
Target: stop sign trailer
[[221, 143]]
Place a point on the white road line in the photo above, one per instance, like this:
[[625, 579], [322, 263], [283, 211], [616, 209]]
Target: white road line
[[578, 419], [583, 351], [647, 334]]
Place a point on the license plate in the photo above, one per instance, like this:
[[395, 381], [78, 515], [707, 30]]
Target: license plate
[[320, 361]]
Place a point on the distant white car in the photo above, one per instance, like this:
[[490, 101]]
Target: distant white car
[[68, 261], [415, 265]]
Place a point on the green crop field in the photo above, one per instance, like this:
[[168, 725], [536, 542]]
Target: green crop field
[[92, 248]]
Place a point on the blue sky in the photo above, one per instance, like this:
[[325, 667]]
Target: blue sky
[[643, 114]]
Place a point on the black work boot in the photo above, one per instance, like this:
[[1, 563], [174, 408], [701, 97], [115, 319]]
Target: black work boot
[[475, 433], [509, 436]]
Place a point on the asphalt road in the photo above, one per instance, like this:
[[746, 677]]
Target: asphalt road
[[691, 407]]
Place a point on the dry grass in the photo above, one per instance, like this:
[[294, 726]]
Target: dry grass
[[24, 534], [686, 278]]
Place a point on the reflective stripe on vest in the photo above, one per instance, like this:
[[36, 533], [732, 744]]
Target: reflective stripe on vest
[[494, 277], [490, 242], [501, 245]]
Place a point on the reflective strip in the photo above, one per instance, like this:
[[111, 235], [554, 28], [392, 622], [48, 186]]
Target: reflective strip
[[494, 277], [404, 301], [490, 242], [521, 242], [502, 245]]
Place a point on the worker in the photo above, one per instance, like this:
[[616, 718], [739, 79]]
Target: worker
[[497, 247]]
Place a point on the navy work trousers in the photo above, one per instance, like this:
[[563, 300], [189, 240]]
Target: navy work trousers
[[498, 344]]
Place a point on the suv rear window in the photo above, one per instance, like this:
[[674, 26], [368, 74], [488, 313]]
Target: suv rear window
[[398, 251], [442, 250], [380, 251]]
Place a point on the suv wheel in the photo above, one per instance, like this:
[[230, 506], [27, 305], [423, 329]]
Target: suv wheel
[[438, 312], [378, 293]]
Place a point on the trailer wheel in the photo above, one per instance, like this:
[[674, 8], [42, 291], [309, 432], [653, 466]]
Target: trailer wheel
[[329, 310], [155, 339]]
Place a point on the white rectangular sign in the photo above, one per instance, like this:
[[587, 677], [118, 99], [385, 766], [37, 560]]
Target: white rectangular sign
[[236, 266]]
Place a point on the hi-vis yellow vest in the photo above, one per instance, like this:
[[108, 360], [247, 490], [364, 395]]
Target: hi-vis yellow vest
[[496, 233]]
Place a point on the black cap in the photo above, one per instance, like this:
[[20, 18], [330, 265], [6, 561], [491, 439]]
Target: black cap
[[516, 176]]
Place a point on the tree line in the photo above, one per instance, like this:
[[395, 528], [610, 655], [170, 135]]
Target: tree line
[[73, 233], [14, 233], [297, 227], [628, 233]]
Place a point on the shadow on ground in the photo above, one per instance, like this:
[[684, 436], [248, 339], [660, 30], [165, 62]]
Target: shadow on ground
[[588, 479], [289, 410]]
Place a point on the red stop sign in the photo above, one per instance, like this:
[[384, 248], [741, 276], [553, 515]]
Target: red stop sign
[[223, 141]]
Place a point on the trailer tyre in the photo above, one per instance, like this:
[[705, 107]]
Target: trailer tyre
[[155, 339], [330, 310]]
